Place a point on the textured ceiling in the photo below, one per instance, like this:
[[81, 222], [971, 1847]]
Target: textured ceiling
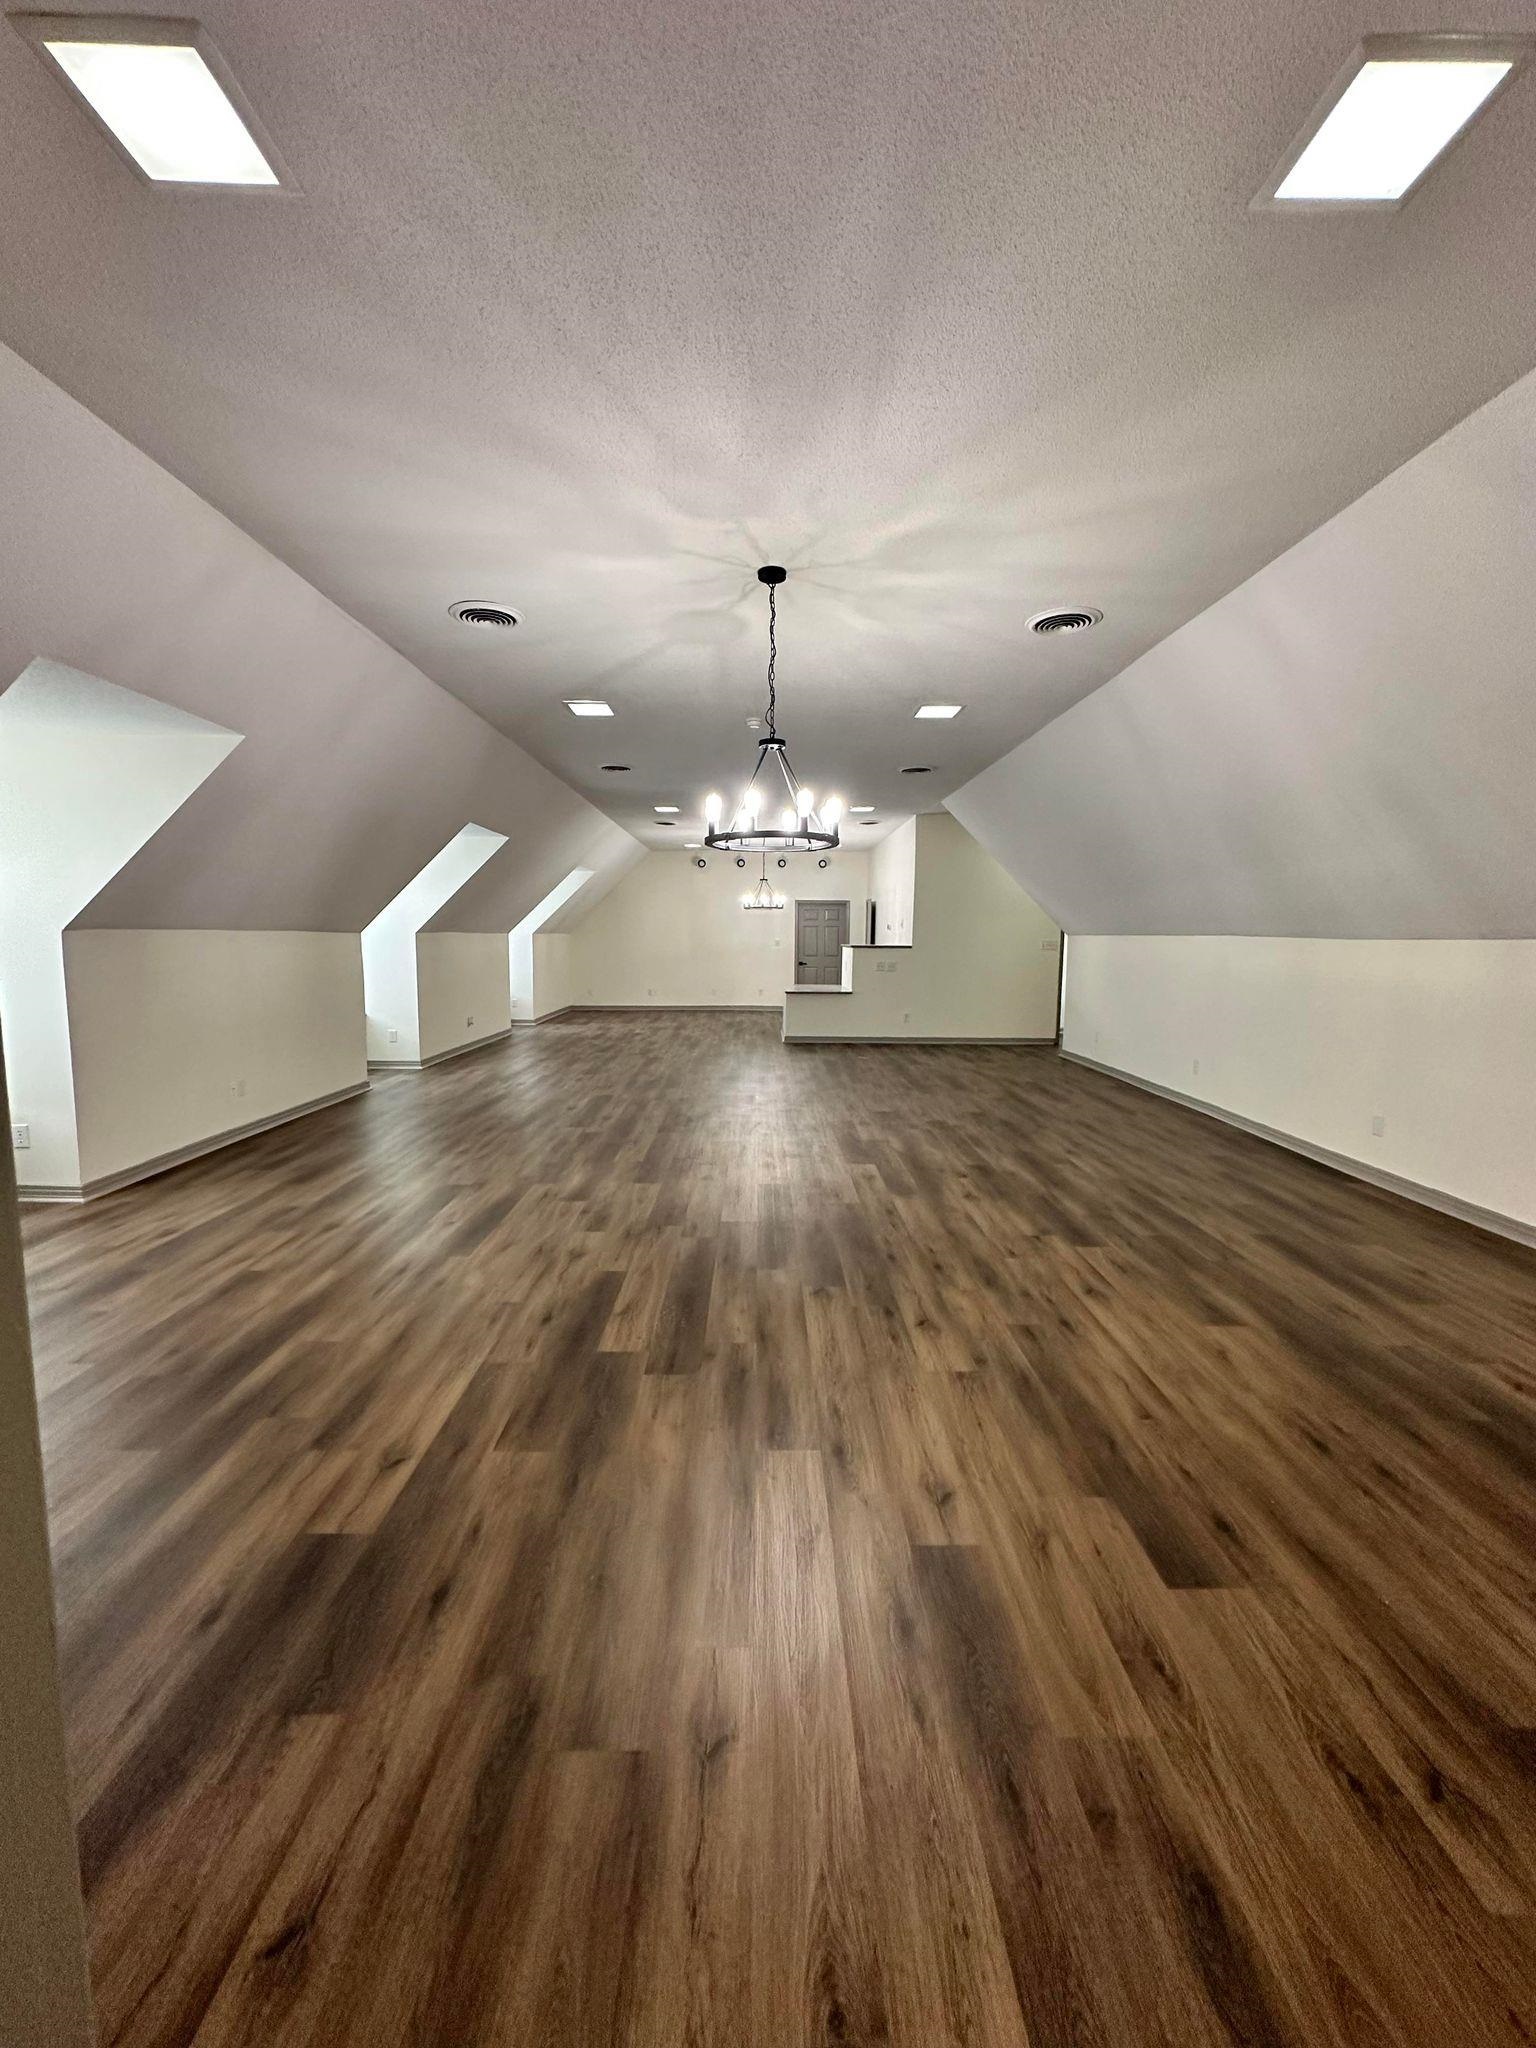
[[957, 309]]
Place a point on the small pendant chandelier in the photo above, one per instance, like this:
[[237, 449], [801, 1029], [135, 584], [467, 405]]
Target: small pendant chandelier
[[764, 896], [770, 820]]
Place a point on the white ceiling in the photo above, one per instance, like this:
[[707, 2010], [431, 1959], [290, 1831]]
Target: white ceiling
[[957, 310]]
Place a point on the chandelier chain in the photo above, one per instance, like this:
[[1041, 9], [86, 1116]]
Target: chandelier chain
[[773, 658]]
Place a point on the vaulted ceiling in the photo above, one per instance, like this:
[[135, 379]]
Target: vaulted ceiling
[[1343, 747], [958, 310]]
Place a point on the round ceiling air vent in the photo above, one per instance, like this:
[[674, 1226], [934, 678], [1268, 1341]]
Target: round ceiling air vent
[[615, 767], [917, 771], [1071, 618], [473, 611]]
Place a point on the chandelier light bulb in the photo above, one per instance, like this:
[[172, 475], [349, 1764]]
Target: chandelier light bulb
[[786, 820], [713, 807], [831, 811], [807, 802]]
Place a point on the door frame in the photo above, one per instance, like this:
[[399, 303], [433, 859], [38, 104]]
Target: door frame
[[843, 903]]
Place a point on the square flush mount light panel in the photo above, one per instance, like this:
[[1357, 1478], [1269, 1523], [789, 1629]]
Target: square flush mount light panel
[[938, 711], [665, 810], [164, 96], [1390, 115], [588, 707]]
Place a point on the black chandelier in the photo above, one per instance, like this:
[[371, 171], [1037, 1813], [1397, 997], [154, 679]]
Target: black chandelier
[[764, 896], [800, 827]]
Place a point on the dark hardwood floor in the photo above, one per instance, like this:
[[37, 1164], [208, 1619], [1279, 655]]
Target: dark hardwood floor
[[644, 1536]]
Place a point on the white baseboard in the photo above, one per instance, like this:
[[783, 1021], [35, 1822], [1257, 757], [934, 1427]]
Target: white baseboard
[[1341, 1162], [806, 1038], [109, 1183], [662, 1009], [435, 1059]]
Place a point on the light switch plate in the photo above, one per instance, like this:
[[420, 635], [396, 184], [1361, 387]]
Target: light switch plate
[[21, 1137]]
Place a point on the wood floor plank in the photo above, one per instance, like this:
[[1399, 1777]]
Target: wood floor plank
[[645, 1536]]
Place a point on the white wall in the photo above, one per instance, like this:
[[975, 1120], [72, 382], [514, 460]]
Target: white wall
[[892, 875], [390, 959], [1315, 1037], [180, 1036], [463, 989], [88, 772], [984, 960], [44, 1993], [525, 998], [672, 934]]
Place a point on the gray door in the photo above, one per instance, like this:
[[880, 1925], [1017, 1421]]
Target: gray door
[[821, 932]]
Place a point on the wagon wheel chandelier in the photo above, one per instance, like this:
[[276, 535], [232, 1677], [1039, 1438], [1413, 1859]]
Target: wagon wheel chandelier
[[769, 820], [764, 896]]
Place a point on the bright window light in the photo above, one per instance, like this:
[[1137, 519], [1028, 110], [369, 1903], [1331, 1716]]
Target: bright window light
[[1387, 127], [167, 109], [937, 711], [588, 707]]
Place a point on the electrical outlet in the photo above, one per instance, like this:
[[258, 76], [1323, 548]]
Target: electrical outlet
[[1194, 1066], [21, 1137], [240, 1088], [1378, 1126], [469, 1023], [394, 1038], [906, 1016]]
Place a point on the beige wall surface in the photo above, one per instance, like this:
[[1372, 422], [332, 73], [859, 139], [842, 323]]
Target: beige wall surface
[[44, 1994], [551, 973], [88, 773], [179, 1036], [672, 934], [463, 988], [1319, 1037], [984, 961]]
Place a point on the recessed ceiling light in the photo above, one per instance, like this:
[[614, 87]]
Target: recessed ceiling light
[[938, 710], [1398, 105], [474, 611], [162, 93], [855, 809], [588, 707], [665, 810]]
